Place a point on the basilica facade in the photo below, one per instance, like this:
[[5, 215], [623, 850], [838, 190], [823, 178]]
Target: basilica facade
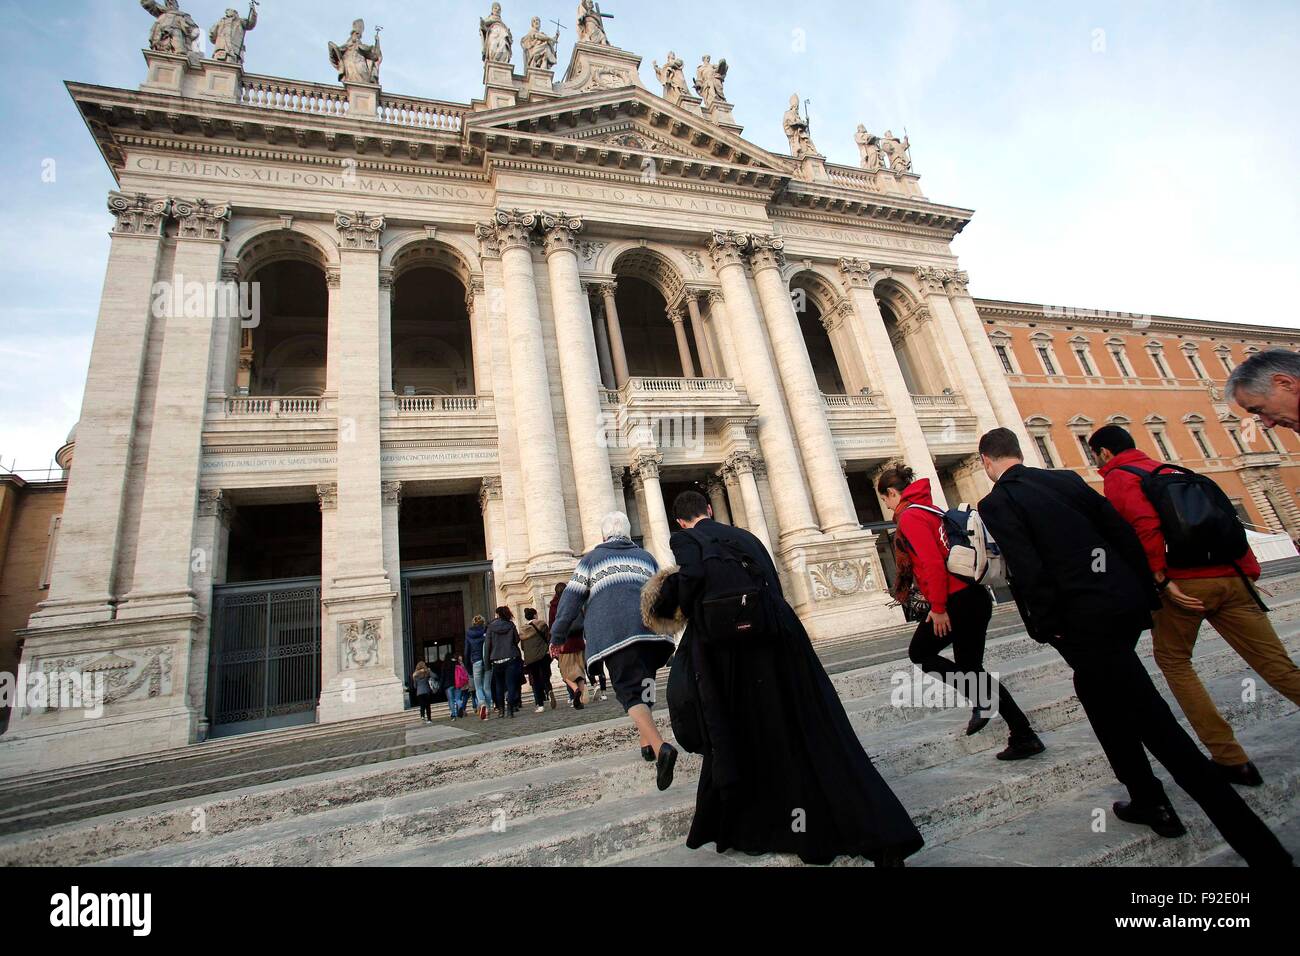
[[367, 365]]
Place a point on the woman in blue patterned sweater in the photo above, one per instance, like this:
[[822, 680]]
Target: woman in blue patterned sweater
[[606, 587]]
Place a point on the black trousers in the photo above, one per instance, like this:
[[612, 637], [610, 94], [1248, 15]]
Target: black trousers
[[970, 611], [1127, 713], [507, 677], [539, 678]]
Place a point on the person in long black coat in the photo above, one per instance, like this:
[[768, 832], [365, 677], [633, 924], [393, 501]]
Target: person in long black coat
[[783, 770], [1081, 579]]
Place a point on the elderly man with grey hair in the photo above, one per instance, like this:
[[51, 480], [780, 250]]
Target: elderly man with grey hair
[[1268, 385], [605, 591]]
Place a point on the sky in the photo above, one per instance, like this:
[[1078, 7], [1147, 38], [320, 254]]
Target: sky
[[1132, 156]]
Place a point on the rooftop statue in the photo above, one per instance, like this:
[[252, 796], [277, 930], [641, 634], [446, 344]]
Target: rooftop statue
[[498, 42], [672, 75], [868, 149], [797, 131], [227, 35], [355, 61], [173, 30], [539, 47], [899, 153], [591, 23], [709, 78]]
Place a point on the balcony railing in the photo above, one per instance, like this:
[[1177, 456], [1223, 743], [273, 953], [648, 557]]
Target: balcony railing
[[936, 401], [244, 407], [680, 385], [851, 401], [274, 93], [440, 404]]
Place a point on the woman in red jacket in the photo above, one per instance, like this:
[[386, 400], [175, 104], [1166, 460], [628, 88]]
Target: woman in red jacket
[[959, 611]]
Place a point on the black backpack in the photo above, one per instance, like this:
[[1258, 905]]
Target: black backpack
[[1199, 524], [733, 605]]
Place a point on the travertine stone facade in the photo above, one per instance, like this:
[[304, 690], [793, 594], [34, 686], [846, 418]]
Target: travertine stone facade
[[648, 301]]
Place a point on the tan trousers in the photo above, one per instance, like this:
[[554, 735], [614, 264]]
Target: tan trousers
[[1232, 612]]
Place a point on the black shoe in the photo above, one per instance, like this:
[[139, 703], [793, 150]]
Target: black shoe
[[1021, 748], [578, 704], [648, 754], [1244, 775], [1160, 817], [664, 766], [977, 723]]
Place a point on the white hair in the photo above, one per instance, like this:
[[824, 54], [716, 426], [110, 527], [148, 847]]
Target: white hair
[[615, 525], [1255, 375]]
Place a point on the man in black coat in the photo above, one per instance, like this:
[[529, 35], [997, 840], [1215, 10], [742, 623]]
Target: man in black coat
[[1081, 580], [783, 770]]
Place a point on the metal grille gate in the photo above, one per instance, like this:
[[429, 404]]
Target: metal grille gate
[[264, 669]]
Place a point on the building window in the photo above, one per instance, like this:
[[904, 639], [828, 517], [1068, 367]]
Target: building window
[[1236, 440], [1081, 352], [1159, 359], [1088, 454], [1121, 361], [1161, 446], [1045, 355], [1194, 360], [1005, 356], [1198, 436], [1239, 507], [1272, 440], [1045, 450], [1225, 357]]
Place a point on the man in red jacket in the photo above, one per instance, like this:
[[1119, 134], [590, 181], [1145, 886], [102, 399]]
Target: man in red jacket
[[960, 611], [1216, 593]]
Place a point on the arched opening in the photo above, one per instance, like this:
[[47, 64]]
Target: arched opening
[[432, 343], [285, 353], [649, 295], [811, 298], [284, 350], [903, 349]]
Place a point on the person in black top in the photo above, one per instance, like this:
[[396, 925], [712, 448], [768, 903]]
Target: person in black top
[[1081, 580]]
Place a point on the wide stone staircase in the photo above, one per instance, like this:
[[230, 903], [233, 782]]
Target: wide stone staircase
[[584, 796]]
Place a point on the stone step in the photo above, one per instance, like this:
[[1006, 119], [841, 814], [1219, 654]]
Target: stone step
[[566, 761]]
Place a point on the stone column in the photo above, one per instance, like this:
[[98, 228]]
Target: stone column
[[803, 395], [607, 377], [848, 357], [701, 339], [162, 583], [742, 465], [212, 539], [678, 320], [385, 332], [580, 376], [475, 295], [868, 326], [82, 581], [548, 533], [989, 366], [718, 499], [494, 532], [392, 532], [620, 493], [794, 512], [645, 473], [953, 336], [333, 332], [726, 353], [735, 500], [227, 335], [360, 597], [608, 290]]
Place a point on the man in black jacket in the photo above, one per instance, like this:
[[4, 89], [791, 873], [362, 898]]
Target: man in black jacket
[[1081, 581]]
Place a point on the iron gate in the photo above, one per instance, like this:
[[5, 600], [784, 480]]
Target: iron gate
[[264, 669]]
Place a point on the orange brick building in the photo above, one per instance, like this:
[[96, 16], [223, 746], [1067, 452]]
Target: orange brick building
[[1074, 370]]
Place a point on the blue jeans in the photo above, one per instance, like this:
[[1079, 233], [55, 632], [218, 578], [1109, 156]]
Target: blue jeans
[[456, 701], [483, 683]]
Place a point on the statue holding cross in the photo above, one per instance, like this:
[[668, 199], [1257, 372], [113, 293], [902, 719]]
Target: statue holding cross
[[539, 47], [591, 23]]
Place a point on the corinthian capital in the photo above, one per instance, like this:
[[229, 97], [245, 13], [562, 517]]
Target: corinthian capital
[[138, 215], [739, 463], [358, 230], [200, 219], [856, 273], [728, 248], [766, 252], [646, 467], [931, 279], [514, 228], [561, 232], [958, 283]]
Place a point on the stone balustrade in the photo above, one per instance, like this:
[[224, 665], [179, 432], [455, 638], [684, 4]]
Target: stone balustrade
[[293, 96], [260, 407], [421, 114], [680, 385], [851, 401], [441, 404], [937, 401]]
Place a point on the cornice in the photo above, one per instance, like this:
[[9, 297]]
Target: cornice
[[786, 213], [631, 179], [1123, 321]]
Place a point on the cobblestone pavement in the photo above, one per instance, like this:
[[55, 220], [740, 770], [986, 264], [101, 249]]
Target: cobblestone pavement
[[203, 773]]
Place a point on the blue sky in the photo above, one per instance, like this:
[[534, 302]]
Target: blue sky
[[1134, 156]]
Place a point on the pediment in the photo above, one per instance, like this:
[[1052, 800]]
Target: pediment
[[630, 119]]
